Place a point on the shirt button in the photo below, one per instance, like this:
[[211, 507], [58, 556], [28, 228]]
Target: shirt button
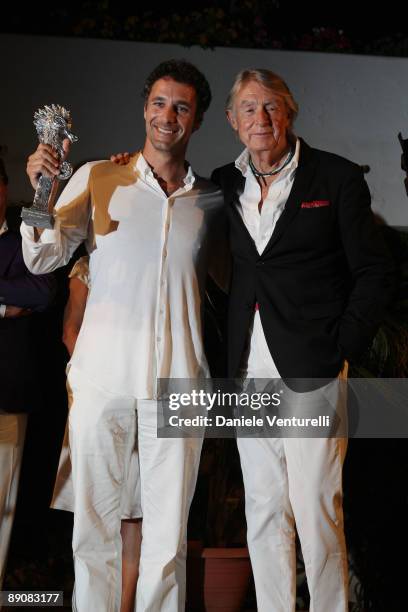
[[165, 253]]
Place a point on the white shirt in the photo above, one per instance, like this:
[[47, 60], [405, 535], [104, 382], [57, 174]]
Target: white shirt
[[149, 259], [258, 362], [260, 225]]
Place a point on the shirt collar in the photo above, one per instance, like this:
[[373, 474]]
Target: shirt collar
[[242, 162], [3, 228], [145, 171]]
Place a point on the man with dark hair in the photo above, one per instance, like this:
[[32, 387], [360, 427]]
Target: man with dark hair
[[182, 72], [21, 295], [147, 226]]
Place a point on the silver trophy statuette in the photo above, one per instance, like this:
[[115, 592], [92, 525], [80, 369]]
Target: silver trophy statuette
[[53, 125]]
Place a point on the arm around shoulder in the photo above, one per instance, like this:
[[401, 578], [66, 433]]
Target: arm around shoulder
[[370, 263]]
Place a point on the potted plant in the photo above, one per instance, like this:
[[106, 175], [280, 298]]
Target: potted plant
[[219, 569], [375, 470]]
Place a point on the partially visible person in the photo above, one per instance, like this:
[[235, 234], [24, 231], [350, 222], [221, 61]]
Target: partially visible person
[[79, 286], [22, 295]]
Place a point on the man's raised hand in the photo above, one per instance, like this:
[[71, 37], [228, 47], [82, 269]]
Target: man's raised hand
[[44, 161]]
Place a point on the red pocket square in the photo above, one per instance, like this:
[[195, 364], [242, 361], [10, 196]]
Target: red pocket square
[[316, 204]]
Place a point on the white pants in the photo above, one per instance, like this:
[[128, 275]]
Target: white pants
[[288, 481], [295, 480], [63, 494], [12, 435], [102, 430]]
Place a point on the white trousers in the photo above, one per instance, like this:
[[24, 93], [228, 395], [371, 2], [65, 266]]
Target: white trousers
[[102, 431], [295, 480], [63, 494], [12, 435]]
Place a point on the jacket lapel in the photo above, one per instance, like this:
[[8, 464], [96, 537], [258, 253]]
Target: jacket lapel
[[303, 178], [232, 199], [235, 188]]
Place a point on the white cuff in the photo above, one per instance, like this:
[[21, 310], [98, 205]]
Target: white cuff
[[2, 311], [48, 236]]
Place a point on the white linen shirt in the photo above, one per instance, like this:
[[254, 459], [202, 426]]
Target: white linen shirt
[[260, 225], [257, 361], [148, 264]]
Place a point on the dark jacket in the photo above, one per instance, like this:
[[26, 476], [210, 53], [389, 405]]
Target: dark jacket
[[21, 377], [325, 278]]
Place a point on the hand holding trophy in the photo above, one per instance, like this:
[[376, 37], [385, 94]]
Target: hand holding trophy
[[53, 125]]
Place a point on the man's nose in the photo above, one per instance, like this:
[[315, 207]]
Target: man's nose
[[170, 113], [261, 116]]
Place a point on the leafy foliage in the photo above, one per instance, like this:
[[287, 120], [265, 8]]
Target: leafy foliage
[[260, 24]]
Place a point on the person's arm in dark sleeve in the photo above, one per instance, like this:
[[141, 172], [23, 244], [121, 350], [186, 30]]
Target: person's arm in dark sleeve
[[26, 290], [370, 264], [220, 264]]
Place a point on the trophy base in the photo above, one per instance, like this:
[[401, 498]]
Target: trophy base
[[37, 218]]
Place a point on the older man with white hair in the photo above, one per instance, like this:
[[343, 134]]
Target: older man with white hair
[[311, 280]]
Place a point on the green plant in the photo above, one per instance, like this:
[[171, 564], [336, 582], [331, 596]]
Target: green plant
[[217, 517], [375, 469], [387, 357]]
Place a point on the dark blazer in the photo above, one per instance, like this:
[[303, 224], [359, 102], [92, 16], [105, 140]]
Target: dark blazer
[[20, 372], [325, 278]]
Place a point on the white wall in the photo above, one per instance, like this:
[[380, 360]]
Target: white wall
[[351, 105]]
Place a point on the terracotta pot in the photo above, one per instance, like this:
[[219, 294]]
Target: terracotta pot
[[195, 577], [226, 578]]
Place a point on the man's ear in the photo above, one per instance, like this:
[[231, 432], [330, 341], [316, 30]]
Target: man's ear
[[144, 110], [197, 123], [231, 119]]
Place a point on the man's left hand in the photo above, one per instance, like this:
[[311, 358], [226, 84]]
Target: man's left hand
[[14, 312], [121, 159]]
